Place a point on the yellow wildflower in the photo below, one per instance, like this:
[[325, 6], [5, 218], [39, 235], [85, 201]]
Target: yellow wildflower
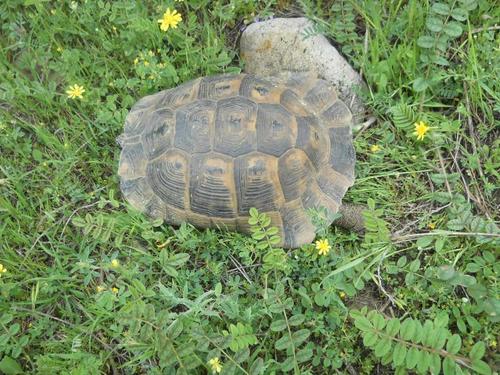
[[146, 63], [431, 225], [136, 61], [421, 129], [75, 91], [342, 295], [493, 344], [170, 19], [215, 365], [375, 148], [100, 288], [115, 263], [322, 246], [114, 290], [2, 269], [59, 49]]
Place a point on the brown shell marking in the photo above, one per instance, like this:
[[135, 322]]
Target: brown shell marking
[[209, 150]]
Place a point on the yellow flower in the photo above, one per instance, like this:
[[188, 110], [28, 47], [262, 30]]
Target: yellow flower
[[2, 269], [136, 61], [342, 295], [114, 290], [431, 226], [323, 247], [215, 365], [375, 148], [115, 263], [170, 19], [75, 91], [146, 63], [421, 129], [59, 49], [100, 288]]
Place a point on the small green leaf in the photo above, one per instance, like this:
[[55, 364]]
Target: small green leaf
[[283, 343], [304, 354], [441, 8], [288, 365], [253, 212], [477, 351], [241, 355], [441, 319], [253, 220], [459, 14], [383, 347], [178, 260], [296, 320], [218, 289], [424, 242], [424, 362], [300, 336], [434, 24], [257, 367], [440, 60], [378, 321], [393, 326], [425, 41], [469, 4], [449, 366], [363, 324], [435, 365], [415, 265], [407, 329], [453, 29], [369, 339], [454, 344], [10, 366], [420, 84], [278, 325], [481, 367], [446, 273], [399, 354], [412, 357]]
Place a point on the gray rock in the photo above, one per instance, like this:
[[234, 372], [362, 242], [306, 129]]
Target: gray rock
[[273, 46]]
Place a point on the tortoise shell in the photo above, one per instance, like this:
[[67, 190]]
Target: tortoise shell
[[210, 149]]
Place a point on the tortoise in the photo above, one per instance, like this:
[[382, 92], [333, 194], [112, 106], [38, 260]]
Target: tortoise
[[207, 151]]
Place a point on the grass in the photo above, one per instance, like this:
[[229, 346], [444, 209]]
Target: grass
[[90, 287]]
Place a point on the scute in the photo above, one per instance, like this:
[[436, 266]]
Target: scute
[[276, 129], [133, 161], [295, 170], [235, 131], [210, 149], [218, 87], [211, 188], [313, 140], [158, 133], [194, 126], [257, 183], [342, 154], [260, 90], [168, 177]]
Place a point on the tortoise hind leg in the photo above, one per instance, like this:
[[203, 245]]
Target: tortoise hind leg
[[297, 227]]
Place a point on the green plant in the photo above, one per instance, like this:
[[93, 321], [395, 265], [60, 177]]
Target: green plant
[[408, 344], [443, 24]]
